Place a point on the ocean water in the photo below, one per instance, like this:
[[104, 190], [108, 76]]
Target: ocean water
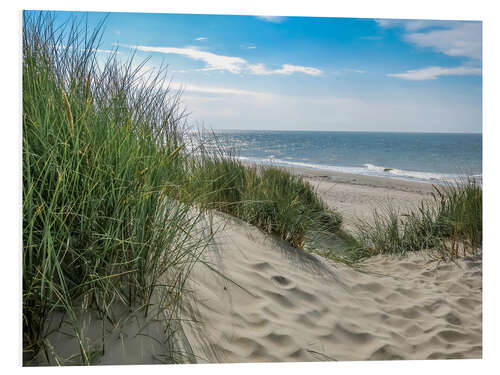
[[429, 157]]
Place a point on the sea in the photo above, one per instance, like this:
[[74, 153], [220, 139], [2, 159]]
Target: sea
[[426, 157]]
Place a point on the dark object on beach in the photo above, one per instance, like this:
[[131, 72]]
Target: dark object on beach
[[387, 169]]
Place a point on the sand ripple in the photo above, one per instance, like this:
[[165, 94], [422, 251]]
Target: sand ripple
[[281, 304]]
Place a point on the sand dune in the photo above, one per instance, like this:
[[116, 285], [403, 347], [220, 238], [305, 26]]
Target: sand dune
[[267, 301], [254, 298]]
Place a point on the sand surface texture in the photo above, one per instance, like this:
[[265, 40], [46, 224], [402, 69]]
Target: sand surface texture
[[255, 298]]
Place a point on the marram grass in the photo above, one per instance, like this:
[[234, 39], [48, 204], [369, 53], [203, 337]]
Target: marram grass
[[451, 221], [111, 196], [268, 197], [98, 152]]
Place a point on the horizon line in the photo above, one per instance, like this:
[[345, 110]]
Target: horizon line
[[349, 131]]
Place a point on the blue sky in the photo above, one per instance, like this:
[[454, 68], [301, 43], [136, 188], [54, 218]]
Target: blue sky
[[297, 73]]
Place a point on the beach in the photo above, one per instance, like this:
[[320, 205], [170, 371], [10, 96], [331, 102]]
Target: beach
[[252, 297], [357, 196], [268, 301], [145, 242]]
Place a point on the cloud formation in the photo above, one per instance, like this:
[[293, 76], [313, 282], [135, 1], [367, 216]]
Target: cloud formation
[[286, 69], [212, 61], [111, 51], [248, 46], [349, 70], [453, 38], [215, 90], [412, 25], [235, 65], [434, 72], [462, 40], [273, 19]]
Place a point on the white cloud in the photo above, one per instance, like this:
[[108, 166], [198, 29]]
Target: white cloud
[[463, 39], [360, 71], [286, 69], [215, 90], [259, 69], [412, 25], [453, 38], [212, 61], [248, 46], [106, 51], [231, 64], [97, 50], [201, 38], [435, 71], [273, 19], [289, 69]]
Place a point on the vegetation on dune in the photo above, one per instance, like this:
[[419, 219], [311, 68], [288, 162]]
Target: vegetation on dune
[[268, 197], [112, 197], [450, 224], [109, 189], [99, 150]]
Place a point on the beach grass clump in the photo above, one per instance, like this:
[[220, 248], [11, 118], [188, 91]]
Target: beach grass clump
[[100, 151], [460, 211], [451, 221], [271, 198], [282, 202]]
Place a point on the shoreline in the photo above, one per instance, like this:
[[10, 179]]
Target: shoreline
[[354, 178], [367, 170], [362, 180], [356, 197]]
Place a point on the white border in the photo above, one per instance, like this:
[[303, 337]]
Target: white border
[[10, 147]]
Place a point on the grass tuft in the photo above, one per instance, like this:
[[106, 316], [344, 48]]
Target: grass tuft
[[452, 220], [268, 197]]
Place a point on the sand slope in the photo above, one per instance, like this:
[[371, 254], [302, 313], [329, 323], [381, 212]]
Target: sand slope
[[277, 303], [255, 298]]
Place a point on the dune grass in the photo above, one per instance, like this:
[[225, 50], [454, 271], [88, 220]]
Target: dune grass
[[99, 150], [268, 197], [450, 224], [111, 196]]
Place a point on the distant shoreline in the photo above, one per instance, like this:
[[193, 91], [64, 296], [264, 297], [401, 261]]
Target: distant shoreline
[[358, 179], [334, 131], [434, 158]]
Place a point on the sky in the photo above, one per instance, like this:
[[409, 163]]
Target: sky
[[302, 73]]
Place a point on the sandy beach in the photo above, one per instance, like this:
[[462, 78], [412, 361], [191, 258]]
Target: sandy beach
[[267, 301], [148, 237], [356, 196], [252, 297]]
